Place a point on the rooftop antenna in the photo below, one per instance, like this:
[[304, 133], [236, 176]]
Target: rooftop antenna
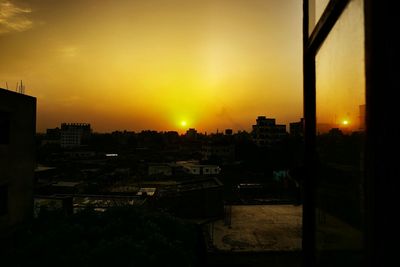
[[7, 86], [20, 88]]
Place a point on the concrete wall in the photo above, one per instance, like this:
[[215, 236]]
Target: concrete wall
[[17, 158]]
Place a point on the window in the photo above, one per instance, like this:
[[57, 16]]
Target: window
[[4, 128], [3, 200], [334, 104]]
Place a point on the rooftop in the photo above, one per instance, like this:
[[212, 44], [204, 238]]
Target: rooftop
[[14, 94], [260, 228]]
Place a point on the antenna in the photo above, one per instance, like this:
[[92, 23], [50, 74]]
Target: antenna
[[22, 91], [19, 88], [7, 86]]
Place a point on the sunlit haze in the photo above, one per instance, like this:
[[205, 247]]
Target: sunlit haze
[[155, 64]]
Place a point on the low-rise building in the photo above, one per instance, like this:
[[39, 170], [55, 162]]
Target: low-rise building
[[220, 151], [191, 134], [52, 136], [267, 133], [74, 134], [199, 198], [195, 168]]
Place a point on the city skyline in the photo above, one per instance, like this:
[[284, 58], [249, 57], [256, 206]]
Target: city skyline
[[182, 132]]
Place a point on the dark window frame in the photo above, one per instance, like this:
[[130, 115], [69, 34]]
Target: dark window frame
[[381, 133], [311, 44]]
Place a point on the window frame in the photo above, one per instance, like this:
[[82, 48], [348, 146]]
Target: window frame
[[380, 167], [311, 44]]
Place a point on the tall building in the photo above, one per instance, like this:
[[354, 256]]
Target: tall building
[[74, 134], [266, 132], [17, 159]]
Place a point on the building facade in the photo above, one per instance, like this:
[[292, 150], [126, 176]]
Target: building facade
[[222, 151], [17, 159], [74, 134], [266, 132]]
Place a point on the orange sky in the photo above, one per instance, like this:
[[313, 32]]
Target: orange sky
[[150, 64]]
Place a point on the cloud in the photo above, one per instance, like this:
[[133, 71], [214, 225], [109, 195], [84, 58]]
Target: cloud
[[13, 18]]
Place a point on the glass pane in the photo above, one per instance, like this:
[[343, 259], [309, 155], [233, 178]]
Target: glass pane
[[315, 9], [340, 84]]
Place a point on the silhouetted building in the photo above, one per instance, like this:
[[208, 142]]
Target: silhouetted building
[[200, 198], [266, 132], [52, 136], [17, 159], [53, 133], [297, 128], [228, 132], [74, 134], [191, 133], [219, 151]]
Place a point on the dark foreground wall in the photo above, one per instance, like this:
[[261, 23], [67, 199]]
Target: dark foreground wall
[[17, 159]]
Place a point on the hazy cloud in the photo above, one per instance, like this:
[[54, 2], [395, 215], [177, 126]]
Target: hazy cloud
[[13, 18]]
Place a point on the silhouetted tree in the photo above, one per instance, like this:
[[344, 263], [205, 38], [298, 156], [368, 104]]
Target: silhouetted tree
[[121, 236]]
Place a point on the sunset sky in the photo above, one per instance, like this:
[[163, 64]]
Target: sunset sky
[[340, 79], [151, 64]]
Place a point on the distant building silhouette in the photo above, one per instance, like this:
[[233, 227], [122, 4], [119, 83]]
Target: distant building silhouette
[[297, 128], [266, 132], [323, 128], [228, 132], [52, 136], [74, 134], [197, 198], [191, 133], [17, 159], [218, 150]]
